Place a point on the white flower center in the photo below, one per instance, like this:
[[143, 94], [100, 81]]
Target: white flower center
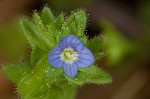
[[68, 55]]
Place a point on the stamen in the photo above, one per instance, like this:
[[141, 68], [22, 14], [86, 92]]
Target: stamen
[[68, 55]]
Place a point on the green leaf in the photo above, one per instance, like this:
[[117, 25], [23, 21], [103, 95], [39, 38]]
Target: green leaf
[[32, 86], [16, 72], [30, 32], [48, 19], [47, 16], [42, 32], [79, 80], [102, 78], [90, 70], [84, 39], [100, 55], [59, 21], [90, 74], [54, 93], [75, 24], [53, 75], [57, 33], [96, 46], [41, 66], [69, 91], [96, 75], [35, 83], [36, 55]]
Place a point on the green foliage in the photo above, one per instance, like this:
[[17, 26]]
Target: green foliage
[[15, 72], [31, 32], [91, 74], [36, 54], [53, 75], [69, 91], [97, 47], [39, 80], [96, 75], [55, 93], [75, 24], [47, 16], [76, 81], [32, 85]]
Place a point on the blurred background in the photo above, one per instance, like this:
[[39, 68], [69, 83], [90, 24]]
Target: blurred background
[[123, 24]]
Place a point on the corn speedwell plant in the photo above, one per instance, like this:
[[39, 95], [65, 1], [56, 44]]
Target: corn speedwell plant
[[62, 57]]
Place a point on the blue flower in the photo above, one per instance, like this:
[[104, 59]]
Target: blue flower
[[70, 54]]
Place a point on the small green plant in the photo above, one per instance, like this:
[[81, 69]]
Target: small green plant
[[38, 77]]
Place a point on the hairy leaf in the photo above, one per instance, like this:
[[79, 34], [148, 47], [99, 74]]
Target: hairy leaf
[[96, 75], [16, 72]]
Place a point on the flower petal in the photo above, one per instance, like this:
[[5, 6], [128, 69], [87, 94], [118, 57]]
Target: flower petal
[[70, 69], [54, 57], [85, 58], [71, 41]]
